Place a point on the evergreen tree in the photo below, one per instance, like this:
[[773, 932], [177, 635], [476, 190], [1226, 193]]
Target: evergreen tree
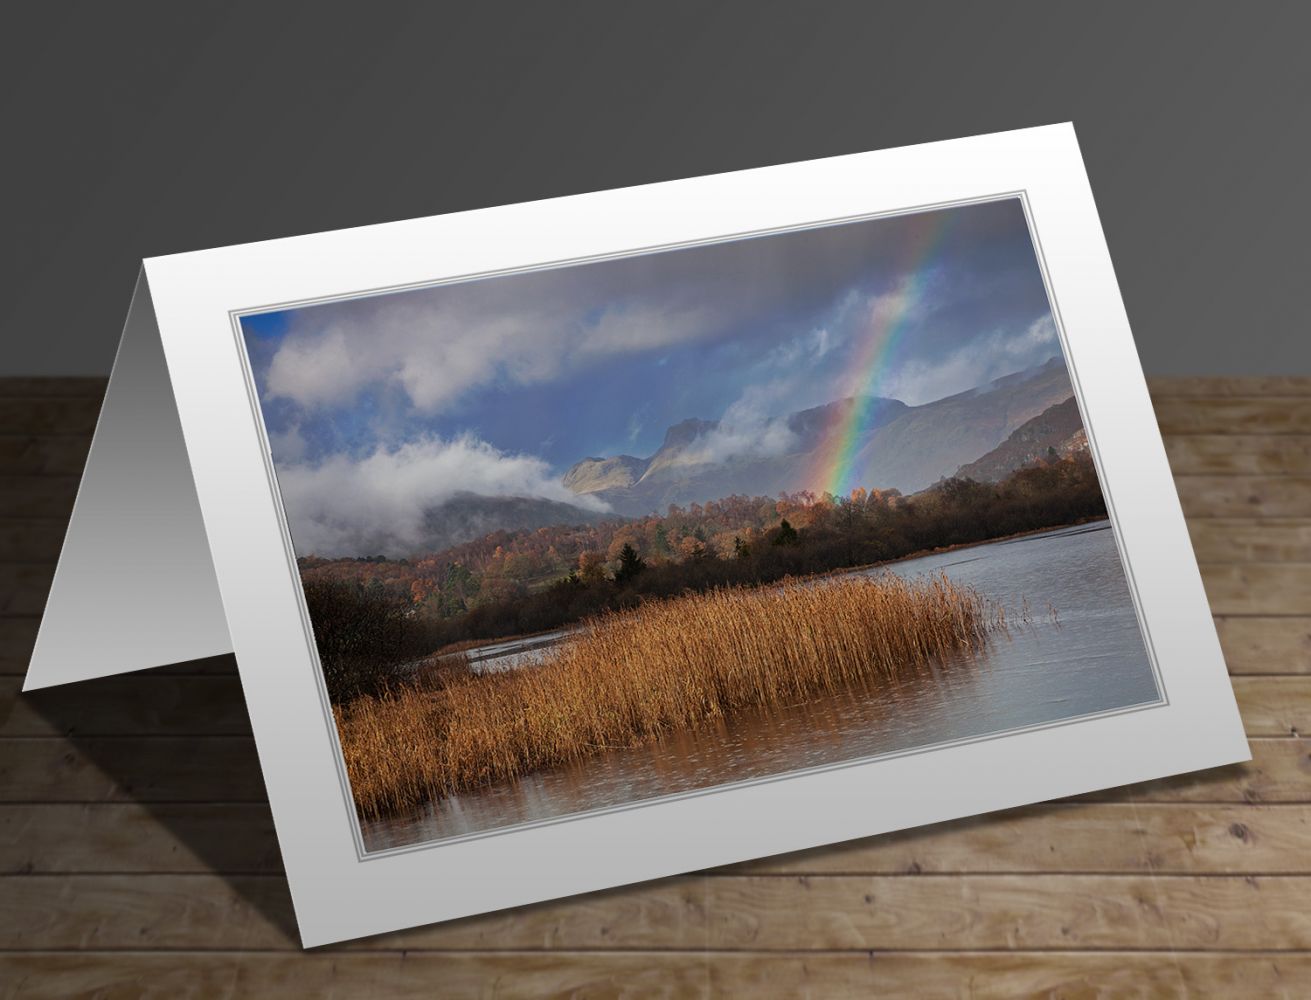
[[787, 535], [630, 564]]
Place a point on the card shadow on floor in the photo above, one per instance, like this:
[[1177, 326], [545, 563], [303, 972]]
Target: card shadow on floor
[[176, 740]]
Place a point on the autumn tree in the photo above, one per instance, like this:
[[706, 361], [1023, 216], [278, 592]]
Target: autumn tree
[[591, 567]]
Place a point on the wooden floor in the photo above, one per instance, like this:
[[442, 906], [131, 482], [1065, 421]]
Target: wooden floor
[[139, 858]]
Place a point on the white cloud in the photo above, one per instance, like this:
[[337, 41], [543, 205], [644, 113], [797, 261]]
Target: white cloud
[[438, 347], [288, 446], [345, 506], [746, 430], [976, 363], [807, 349]]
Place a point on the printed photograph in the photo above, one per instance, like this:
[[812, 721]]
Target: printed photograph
[[586, 537]]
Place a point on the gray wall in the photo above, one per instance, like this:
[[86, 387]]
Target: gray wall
[[136, 129]]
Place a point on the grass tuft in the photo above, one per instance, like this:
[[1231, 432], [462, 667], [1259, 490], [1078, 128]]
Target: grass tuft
[[631, 676]]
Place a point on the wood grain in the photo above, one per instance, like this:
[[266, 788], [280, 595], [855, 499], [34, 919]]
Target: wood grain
[[1168, 387], [179, 975], [33, 455], [1265, 415], [819, 912], [1112, 838], [131, 768], [1258, 588], [1244, 496], [138, 858], [47, 415], [48, 497], [1239, 455], [28, 387], [1245, 540], [1263, 645], [128, 705]]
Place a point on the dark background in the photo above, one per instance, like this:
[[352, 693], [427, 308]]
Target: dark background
[[138, 129]]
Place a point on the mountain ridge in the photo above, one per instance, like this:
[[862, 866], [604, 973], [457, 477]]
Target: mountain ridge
[[898, 447]]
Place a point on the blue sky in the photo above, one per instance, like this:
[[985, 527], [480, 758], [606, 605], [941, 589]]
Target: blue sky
[[499, 385]]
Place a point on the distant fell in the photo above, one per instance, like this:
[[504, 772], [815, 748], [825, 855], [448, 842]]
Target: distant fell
[[893, 446], [1057, 431]]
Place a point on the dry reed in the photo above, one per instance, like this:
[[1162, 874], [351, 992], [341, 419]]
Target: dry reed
[[630, 676]]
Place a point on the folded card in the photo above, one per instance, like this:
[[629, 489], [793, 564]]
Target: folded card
[[593, 540]]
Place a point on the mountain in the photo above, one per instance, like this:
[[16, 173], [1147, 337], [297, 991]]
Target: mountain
[[1056, 429], [934, 440], [692, 464], [898, 446], [592, 475]]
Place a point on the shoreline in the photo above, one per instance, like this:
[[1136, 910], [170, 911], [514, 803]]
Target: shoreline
[[453, 649]]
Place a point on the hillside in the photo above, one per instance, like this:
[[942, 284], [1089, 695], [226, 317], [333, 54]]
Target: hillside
[[1057, 429], [932, 441]]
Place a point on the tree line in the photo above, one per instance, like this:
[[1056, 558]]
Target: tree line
[[365, 623]]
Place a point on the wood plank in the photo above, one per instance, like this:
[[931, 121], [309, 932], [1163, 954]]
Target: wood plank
[[969, 912], [829, 913], [953, 976], [31, 541], [129, 837], [1245, 540], [1108, 838], [32, 455], [1094, 838], [130, 704], [1244, 496], [226, 769], [17, 637], [1274, 706], [49, 415], [38, 496], [131, 768], [254, 912], [1233, 415], [1239, 454], [1266, 645], [929, 975], [1166, 386], [1279, 771], [26, 386], [24, 587], [1258, 589]]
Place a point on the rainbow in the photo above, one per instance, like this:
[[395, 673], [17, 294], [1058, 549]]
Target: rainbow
[[833, 469]]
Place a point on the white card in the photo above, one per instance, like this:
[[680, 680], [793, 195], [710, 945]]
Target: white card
[[587, 541]]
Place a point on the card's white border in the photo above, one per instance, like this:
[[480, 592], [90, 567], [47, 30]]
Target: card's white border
[[335, 894]]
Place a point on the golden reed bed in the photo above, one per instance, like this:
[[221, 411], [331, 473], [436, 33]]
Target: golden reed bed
[[630, 676]]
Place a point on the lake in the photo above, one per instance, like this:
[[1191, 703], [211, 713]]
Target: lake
[[1088, 658]]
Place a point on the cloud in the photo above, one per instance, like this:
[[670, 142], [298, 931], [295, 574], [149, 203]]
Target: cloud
[[746, 429], [807, 349], [431, 346], [288, 445], [346, 506], [975, 363]]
